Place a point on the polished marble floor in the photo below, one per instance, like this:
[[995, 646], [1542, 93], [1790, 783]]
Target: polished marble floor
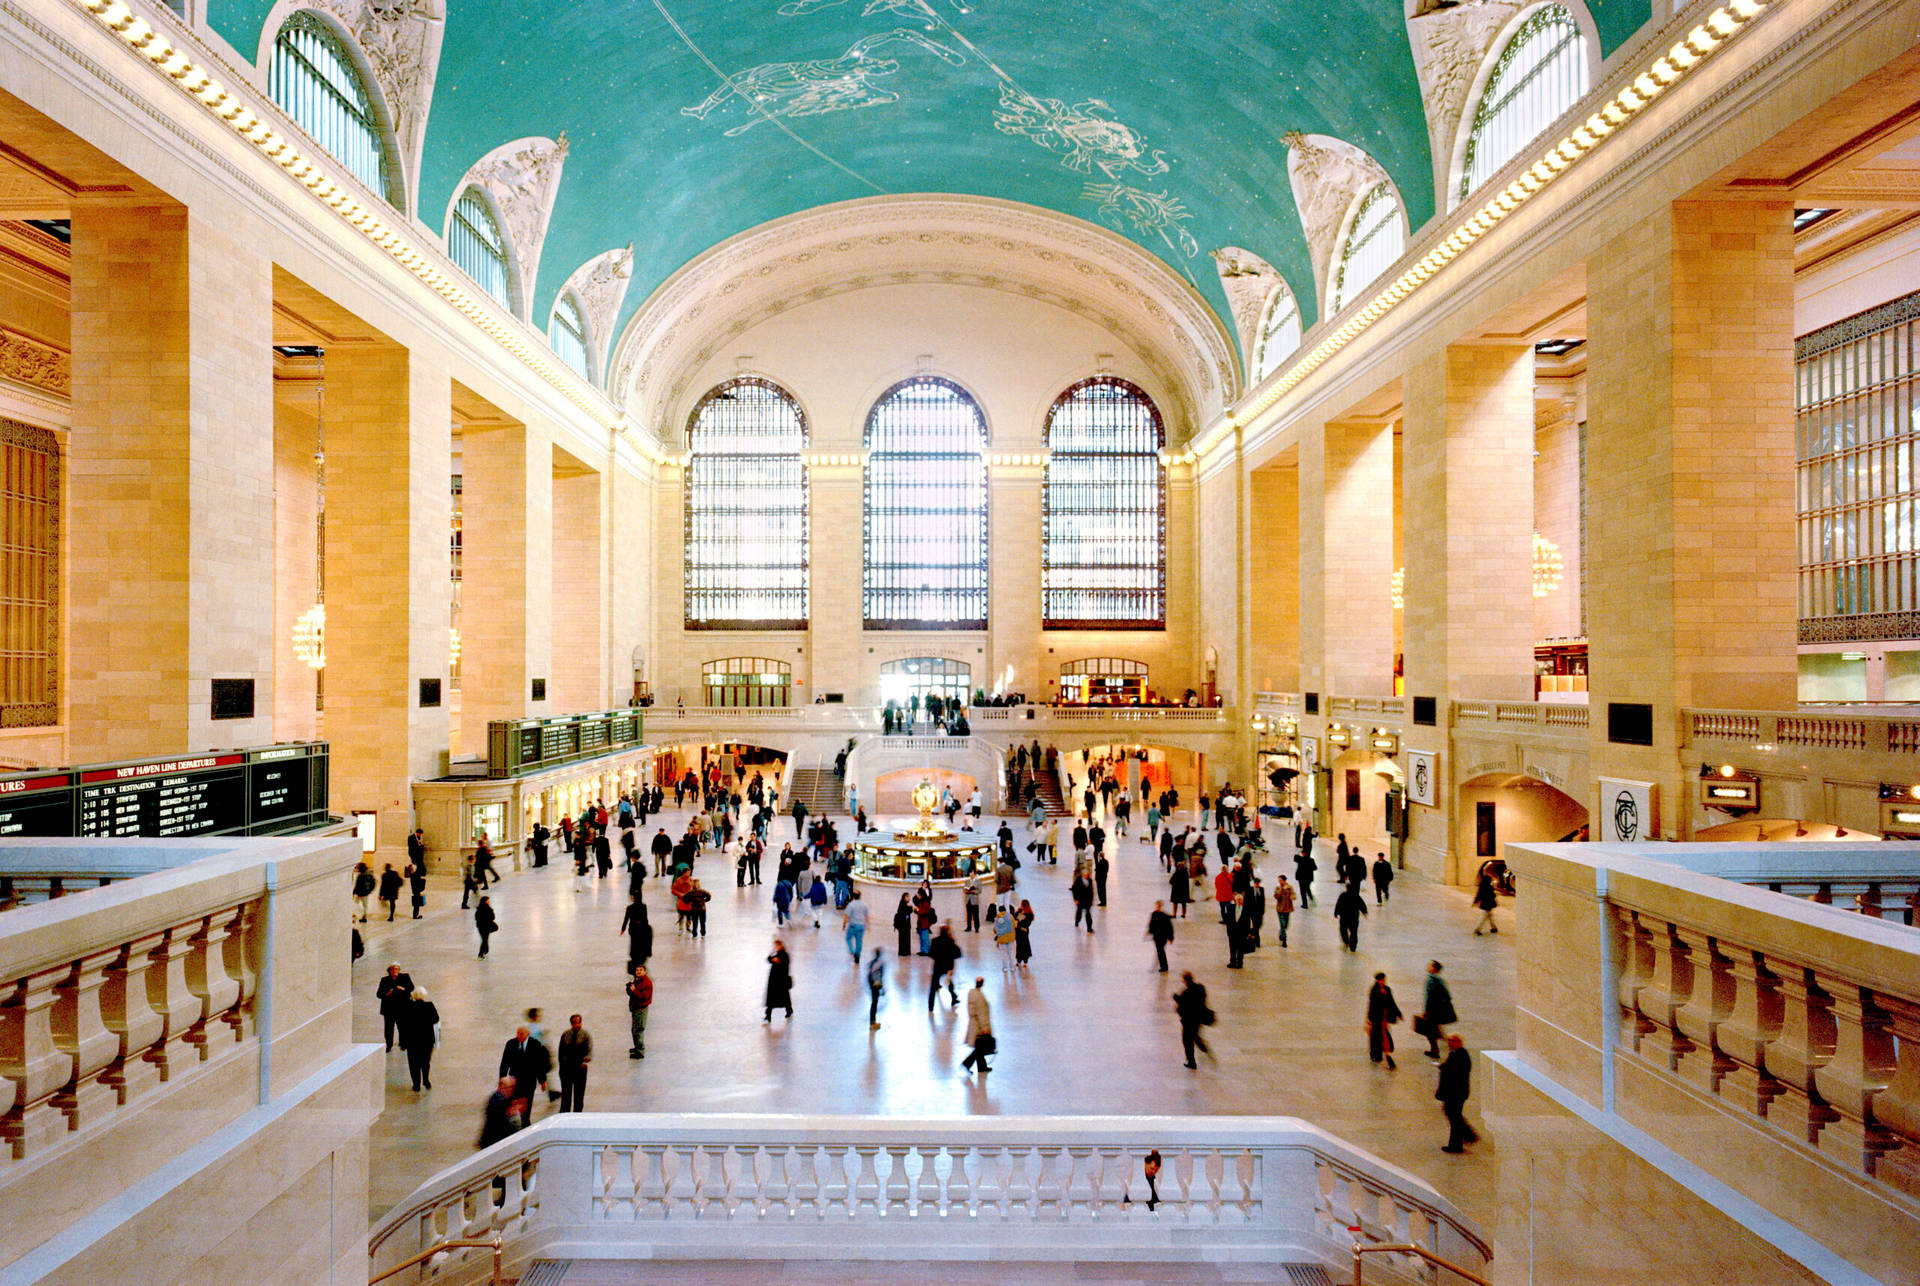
[[1089, 1029]]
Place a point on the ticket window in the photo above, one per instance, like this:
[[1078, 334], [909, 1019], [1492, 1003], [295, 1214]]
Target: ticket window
[[489, 820]]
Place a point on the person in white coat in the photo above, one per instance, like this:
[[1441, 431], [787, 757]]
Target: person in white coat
[[979, 1028]]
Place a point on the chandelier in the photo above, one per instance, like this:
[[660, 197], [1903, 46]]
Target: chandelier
[[453, 649], [1546, 566], [310, 636]]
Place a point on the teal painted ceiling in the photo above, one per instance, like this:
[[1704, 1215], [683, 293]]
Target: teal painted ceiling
[[693, 120]]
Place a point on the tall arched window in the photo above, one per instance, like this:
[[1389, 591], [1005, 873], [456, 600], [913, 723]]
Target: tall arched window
[[746, 510], [1103, 526], [312, 79], [567, 334], [1279, 332], [926, 509], [1537, 77], [1374, 240], [475, 243]]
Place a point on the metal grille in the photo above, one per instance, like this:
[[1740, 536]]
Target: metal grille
[[1855, 477], [475, 244], [1374, 240], [312, 80], [1279, 332], [567, 335], [746, 510], [1103, 528], [1540, 74], [29, 576], [926, 509]]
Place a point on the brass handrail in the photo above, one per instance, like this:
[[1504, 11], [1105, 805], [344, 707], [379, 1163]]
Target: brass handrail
[[493, 1244], [1407, 1248]]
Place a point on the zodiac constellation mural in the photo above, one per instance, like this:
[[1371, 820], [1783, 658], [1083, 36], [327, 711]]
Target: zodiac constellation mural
[[818, 86], [1086, 137]]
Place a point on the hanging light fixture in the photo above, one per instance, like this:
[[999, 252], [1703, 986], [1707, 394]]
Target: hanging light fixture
[[310, 631], [453, 649], [1546, 566], [1399, 588]]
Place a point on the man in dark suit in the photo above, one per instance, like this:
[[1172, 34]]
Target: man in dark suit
[[1456, 1074], [526, 1060]]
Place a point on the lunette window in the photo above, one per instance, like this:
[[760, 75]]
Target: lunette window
[[475, 243], [312, 79], [1538, 76], [1103, 528], [926, 509], [567, 334], [1374, 241], [1279, 334], [746, 509]]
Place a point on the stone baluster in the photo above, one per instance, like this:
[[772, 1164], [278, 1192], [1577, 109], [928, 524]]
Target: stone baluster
[[1868, 903], [682, 1184], [1020, 1204], [926, 1195], [866, 1181], [174, 1002], [803, 1181], [131, 1017], [898, 1187], [1176, 1179], [1707, 1006], [710, 1179], [216, 989], [33, 1066], [960, 1186], [650, 1197], [1636, 971], [1751, 1025], [833, 1185], [1115, 1183], [1861, 1066], [1897, 1107], [770, 1181], [1240, 1186], [242, 949], [1083, 1185], [1662, 996], [1805, 1042], [79, 1031], [1047, 1187]]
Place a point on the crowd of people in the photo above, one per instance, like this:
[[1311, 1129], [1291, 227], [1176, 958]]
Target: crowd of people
[[812, 881]]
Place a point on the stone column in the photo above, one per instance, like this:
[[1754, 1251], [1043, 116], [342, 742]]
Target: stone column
[[578, 681], [1692, 565], [1014, 609], [1221, 517], [389, 513], [170, 480], [630, 566], [1346, 559], [1274, 581], [836, 547], [506, 560]]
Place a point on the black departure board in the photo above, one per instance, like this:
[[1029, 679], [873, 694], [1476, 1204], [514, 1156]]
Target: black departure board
[[519, 746], [236, 792]]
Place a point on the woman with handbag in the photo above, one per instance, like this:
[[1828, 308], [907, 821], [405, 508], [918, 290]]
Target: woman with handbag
[[1382, 1013]]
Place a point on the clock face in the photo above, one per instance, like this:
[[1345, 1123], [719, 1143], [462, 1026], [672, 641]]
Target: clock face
[[1422, 779], [1626, 817]]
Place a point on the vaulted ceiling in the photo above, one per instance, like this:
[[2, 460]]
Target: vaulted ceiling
[[693, 120]]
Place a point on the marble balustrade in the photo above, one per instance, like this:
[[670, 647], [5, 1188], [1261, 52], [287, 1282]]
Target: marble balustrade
[[634, 1186]]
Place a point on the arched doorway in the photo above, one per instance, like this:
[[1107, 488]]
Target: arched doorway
[[916, 676], [1359, 780], [1498, 809]]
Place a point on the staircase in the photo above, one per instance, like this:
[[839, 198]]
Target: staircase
[[820, 789], [1050, 796]]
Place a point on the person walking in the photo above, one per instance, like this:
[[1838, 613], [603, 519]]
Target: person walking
[[574, 1054], [501, 1119], [1023, 933], [697, 899], [527, 1061], [817, 900], [971, 897], [1347, 909], [390, 889], [799, 818], [417, 884], [1160, 932], [1004, 934], [393, 992], [1101, 868], [979, 1037], [946, 955], [639, 1000], [1190, 1002], [903, 926], [876, 984], [1382, 1014], [633, 923], [1282, 906], [419, 1032], [1456, 1076], [1436, 1011], [485, 922], [1179, 888], [854, 921], [1082, 892], [782, 899], [779, 981], [1486, 897], [364, 884], [1382, 878], [1303, 868]]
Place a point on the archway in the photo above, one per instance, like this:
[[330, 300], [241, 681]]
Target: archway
[[1128, 764], [1359, 781], [893, 791], [1498, 809], [917, 676]]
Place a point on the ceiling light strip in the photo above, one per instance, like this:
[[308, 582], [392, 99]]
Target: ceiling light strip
[[1687, 54], [137, 34]]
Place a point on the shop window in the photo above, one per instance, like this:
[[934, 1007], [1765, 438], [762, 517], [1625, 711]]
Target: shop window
[[926, 509], [1103, 526]]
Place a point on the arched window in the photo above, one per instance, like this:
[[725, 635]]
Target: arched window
[[1279, 332], [917, 676], [1103, 526], [1374, 240], [752, 681], [567, 334], [312, 79], [926, 509], [475, 243], [746, 510], [1540, 74]]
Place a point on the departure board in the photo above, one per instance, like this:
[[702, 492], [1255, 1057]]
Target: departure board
[[164, 800], [528, 745], [266, 790], [279, 786], [37, 806]]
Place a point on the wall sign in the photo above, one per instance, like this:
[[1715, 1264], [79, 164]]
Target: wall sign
[[1626, 811], [1423, 778]]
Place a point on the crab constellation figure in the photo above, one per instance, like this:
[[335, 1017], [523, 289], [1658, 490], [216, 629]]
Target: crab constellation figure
[[1085, 136], [817, 86]]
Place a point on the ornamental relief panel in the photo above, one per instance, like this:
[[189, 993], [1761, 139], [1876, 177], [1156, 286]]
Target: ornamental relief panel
[[1449, 46], [1326, 174], [522, 178], [31, 361], [1248, 280], [401, 41], [600, 284]]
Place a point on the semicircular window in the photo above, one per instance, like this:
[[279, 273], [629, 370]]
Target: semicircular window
[[1374, 241], [1539, 74], [1279, 335], [567, 334], [312, 79], [746, 509], [475, 243], [926, 509], [1103, 525]]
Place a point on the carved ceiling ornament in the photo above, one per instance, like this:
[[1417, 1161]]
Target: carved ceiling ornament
[[401, 42], [968, 240], [600, 285], [1248, 280], [1326, 174], [522, 178], [1450, 45]]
